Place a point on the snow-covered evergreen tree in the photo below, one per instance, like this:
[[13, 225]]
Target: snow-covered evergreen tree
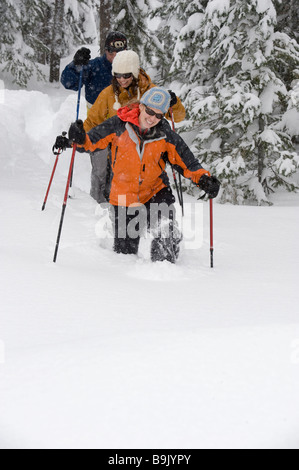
[[36, 31], [72, 24], [19, 23], [130, 17], [288, 17], [236, 92], [176, 16]]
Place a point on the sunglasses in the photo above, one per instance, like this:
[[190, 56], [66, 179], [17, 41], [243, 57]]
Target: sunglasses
[[150, 112], [123, 75]]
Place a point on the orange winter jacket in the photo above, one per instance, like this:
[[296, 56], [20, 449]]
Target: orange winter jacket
[[103, 108], [138, 160]]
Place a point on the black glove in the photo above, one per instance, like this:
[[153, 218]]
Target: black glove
[[174, 99], [77, 134], [82, 56], [210, 185], [62, 142]]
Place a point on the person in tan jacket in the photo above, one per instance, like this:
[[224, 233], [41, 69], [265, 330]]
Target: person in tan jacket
[[129, 84]]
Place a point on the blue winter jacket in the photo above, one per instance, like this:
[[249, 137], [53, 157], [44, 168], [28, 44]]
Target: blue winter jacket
[[97, 76]]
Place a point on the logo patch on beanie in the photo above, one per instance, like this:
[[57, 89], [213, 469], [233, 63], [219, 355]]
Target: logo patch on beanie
[[157, 98], [118, 44]]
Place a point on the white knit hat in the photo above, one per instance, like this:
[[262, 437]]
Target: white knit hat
[[126, 62]]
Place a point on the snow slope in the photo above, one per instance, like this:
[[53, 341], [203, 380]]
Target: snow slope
[[107, 351]]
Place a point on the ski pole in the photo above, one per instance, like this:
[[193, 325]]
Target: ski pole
[[70, 175], [77, 113], [51, 179], [64, 202], [211, 234], [178, 186], [53, 173]]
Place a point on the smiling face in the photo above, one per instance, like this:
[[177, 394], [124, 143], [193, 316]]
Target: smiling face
[[124, 82], [147, 121]]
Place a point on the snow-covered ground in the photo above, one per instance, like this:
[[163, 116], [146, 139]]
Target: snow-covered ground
[[106, 351]]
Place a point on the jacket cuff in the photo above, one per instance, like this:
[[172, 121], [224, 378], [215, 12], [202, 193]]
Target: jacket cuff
[[196, 175]]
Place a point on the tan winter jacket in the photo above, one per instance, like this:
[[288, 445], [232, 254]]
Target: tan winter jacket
[[104, 108]]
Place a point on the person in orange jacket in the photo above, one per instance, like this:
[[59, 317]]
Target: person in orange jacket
[[129, 83], [142, 143]]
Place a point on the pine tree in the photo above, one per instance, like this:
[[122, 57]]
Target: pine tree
[[288, 17], [69, 29], [37, 32], [178, 18], [8, 30], [236, 95], [19, 22], [130, 17], [43, 35]]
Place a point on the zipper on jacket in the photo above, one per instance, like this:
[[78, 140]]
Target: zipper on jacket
[[142, 171], [141, 179], [116, 150]]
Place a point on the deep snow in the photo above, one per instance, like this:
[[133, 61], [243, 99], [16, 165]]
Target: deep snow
[[108, 351]]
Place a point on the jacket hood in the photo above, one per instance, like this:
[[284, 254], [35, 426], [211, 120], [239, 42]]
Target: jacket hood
[[145, 82], [130, 114]]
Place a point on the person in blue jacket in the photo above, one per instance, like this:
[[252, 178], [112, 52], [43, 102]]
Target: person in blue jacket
[[97, 73]]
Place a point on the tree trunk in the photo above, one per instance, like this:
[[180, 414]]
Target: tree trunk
[[44, 37], [105, 22], [56, 42], [261, 151]]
